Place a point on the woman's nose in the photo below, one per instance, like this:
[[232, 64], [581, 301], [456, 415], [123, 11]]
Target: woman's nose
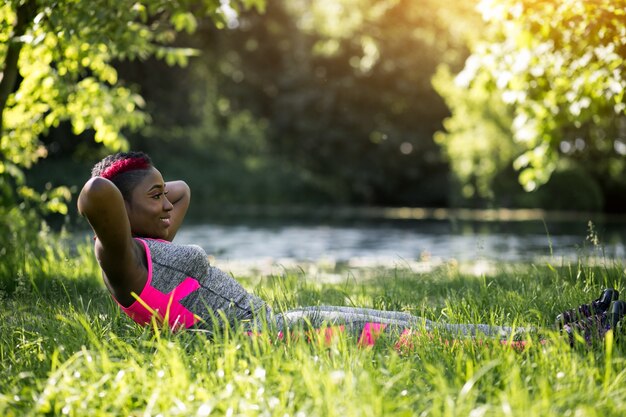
[[167, 206]]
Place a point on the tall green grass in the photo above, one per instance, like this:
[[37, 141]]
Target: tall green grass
[[66, 349]]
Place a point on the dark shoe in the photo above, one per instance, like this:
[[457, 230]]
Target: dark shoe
[[590, 328], [595, 327], [596, 307], [616, 313]]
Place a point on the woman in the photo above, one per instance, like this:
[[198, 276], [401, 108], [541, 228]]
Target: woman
[[135, 215]]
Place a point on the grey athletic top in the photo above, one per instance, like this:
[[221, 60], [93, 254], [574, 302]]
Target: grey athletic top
[[184, 290]]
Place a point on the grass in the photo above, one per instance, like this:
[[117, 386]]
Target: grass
[[66, 349]]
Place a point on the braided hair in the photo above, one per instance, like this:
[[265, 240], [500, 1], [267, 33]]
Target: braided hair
[[124, 169]]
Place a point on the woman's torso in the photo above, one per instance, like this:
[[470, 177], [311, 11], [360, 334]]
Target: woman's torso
[[183, 289]]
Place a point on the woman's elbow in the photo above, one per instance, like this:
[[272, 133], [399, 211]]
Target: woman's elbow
[[178, 191], [94, 193]]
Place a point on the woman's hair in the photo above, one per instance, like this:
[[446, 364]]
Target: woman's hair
[[124, 169]]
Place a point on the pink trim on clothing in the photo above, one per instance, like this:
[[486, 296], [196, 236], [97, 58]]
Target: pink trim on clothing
[[371, 332], [164, 307], [330, 332]]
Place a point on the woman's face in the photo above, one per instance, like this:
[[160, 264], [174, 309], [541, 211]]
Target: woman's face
[[149, 209]]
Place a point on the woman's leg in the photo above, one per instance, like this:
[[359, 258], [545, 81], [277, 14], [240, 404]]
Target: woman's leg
[[359, 320]]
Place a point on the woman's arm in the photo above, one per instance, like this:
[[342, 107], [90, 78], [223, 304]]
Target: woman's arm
[[101, 202], [179, 194]]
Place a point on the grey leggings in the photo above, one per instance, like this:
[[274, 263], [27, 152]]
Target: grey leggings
[[354, 319]]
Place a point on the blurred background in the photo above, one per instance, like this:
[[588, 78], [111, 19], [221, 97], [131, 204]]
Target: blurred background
[[302, 107]]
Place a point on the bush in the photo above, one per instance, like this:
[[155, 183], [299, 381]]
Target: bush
[[19, 244], [576, 191], [31, 253]]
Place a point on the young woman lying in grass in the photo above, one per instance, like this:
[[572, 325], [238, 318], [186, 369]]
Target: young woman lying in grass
[[135, 215]]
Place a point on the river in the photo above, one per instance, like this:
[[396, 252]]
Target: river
[[403, 242]]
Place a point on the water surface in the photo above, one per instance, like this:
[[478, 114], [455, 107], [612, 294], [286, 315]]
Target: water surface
[[404, 240]]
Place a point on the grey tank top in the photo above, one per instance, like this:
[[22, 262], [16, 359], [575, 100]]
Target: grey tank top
[[218, 297]]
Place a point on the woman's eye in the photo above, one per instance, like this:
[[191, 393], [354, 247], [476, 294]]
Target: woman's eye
[[157, 196]]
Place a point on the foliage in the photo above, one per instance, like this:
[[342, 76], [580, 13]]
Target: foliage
[[475, 134], [575, 189], [227, 157], [19, 242], [67, 349], [57, 62], [58, 66], [347, 102], [549, 79], [333, 102], [333, 88]]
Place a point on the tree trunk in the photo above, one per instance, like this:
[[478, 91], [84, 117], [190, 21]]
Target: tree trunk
[[8, 83]]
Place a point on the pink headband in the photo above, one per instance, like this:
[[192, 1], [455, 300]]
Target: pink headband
[[124, 165]]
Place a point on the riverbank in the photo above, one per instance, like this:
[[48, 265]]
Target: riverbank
[[65, 349]]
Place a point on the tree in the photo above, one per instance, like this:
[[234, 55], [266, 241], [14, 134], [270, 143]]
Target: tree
[[57, 66], [345, 87], [56, 63], [543, 89]]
